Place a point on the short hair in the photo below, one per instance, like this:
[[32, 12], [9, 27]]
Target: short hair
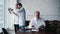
[[19, 4], [37, 12]]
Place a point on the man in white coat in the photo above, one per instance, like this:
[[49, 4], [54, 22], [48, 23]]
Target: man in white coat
[[37, 22]]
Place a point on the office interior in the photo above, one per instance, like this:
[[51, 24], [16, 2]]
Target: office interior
[[49, 10]]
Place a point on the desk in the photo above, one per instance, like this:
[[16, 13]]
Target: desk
[[41, 32]]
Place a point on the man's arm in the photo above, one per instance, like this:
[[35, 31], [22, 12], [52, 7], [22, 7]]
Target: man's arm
[[42, 25], [30, 24], [15, 13]]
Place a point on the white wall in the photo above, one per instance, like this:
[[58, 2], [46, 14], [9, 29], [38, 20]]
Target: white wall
[[49, 8]]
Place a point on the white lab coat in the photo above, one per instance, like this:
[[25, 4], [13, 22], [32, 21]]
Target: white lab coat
[[36, 23], [11, 21]]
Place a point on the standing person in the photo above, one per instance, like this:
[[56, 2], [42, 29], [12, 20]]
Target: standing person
[[20, 13]]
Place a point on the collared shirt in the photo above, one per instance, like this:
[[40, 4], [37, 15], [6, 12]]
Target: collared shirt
[[21, 17], [37, 23]]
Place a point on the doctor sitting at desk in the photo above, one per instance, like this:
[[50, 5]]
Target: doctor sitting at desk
[[37, 22]]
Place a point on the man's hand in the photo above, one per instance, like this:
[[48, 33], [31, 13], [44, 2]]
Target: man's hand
[[33, 27]]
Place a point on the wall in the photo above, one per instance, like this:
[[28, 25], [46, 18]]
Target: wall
[[49, 9]]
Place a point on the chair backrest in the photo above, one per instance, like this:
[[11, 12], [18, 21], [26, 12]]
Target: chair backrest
[[27, 23], [4, 31]]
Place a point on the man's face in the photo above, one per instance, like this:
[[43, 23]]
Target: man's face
[[37, 15], [18, 6]]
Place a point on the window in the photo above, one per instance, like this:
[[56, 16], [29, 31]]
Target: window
[[1, 14]]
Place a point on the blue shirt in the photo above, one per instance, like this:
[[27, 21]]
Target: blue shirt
[[21, 17]]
